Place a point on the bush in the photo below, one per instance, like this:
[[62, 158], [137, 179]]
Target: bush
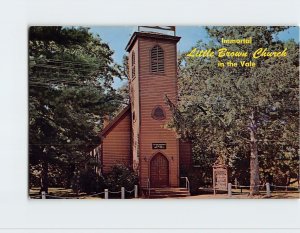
[[88, 181], [59, 175], [120, 176], [197, 179]]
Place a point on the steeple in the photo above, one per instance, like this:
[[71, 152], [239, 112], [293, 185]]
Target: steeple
[[153, 75]]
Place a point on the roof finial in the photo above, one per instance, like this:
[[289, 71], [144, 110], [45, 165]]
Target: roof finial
[[161, 29]]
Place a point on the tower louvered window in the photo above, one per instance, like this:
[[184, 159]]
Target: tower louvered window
[[133, 65], [157, 59]]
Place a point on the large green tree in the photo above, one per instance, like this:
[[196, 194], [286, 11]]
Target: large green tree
[[242, 112], [70, 90]]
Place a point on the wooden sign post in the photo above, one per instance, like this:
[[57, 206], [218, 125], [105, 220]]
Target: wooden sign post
[[220, 177]]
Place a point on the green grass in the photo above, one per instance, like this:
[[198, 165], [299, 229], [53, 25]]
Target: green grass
[[59, 193]]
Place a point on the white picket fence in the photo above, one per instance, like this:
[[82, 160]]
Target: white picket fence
[[106, 194], [123, 191], [267, 188]]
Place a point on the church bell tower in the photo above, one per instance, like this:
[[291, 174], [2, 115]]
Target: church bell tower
[[152, 53]]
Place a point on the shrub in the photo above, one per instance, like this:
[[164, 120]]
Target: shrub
[[197, 179], [89, 182], [120, 176]]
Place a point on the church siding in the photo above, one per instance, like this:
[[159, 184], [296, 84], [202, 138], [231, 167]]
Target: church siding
[[130, 139], [116, 144], [135, 106], [153, 89], [185, 151]]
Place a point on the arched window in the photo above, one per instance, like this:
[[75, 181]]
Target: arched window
[[133, 65], [158, 113], [157, 59], [131, 96]]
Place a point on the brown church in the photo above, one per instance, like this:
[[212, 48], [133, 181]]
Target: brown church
[[138, 135]]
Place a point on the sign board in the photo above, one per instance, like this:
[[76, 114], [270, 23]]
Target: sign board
[[220, 178], [160, 146]]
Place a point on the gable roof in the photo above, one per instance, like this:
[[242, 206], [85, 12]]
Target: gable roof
[[152, 35], [115, 121]]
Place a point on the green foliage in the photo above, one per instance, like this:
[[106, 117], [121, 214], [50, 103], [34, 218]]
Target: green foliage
[[123, 91], [198, 177], [70, 76], [120, 176], [90, 182], [225, 110]]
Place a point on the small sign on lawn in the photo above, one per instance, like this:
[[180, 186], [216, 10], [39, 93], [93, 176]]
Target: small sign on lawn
[[220, 177]]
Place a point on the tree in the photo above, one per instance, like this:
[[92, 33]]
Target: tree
[[70, 90], [234, 111], [124, 89]]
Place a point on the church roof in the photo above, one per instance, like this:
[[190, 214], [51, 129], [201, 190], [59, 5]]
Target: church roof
[[149, 35], [115, 121]]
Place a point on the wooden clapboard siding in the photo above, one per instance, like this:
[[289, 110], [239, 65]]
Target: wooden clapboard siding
[[135, 106], [185, 152], [152, 91], [116, 142], [129, 139]]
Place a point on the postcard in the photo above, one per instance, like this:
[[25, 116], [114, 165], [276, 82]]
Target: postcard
[[151, 112]]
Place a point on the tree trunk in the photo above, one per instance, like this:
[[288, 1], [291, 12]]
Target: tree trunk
[[254, 165], [288, 180], [44, 173]]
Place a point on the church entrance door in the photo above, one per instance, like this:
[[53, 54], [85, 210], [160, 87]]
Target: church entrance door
[[159, 171]]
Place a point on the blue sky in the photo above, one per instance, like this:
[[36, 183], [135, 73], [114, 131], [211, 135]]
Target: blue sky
[[117, 38]]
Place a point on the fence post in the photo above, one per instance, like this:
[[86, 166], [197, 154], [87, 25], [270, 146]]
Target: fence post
[[122, 193], [229, 190], [106, 193], [43, 195], [268, 189], [135, 191], [235, 183]]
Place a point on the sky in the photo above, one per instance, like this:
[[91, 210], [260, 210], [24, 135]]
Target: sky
[[117, 38]]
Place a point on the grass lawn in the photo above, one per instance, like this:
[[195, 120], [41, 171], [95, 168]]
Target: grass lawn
[[244, 194], [283, 195], [60, 193]]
